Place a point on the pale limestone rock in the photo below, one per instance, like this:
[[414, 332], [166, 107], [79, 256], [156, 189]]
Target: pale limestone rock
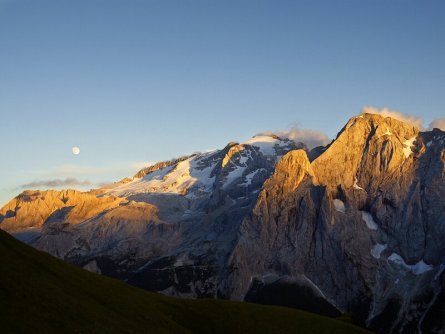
[[32, 208], [297, 226]]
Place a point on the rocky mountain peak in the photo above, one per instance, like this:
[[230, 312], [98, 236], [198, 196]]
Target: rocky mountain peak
[[32, 208], [370, 143], [231, 153], [363, 217], [290, 170]]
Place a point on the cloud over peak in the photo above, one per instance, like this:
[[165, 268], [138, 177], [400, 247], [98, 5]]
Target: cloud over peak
[[386, 112], [411, 119], [53, 183], [438, 123], [311, 138]]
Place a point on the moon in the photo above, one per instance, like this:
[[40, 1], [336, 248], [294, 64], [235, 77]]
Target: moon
[[75, 150]]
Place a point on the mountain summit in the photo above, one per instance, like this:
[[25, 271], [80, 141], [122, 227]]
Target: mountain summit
[[356, 226]]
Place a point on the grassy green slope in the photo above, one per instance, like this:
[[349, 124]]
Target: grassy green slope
[[41, 294]]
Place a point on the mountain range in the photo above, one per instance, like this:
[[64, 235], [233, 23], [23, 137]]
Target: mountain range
[[355, 227]]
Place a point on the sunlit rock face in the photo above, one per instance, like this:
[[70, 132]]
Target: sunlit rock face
[[31, 209], [364, 222], [356, 226]]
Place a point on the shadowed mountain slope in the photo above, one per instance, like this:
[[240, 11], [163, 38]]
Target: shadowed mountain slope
[[41, 294]]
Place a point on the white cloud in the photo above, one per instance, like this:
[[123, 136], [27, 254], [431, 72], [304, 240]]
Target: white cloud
[[54, 183], [311, 138], [386, 112], [79, 170], [78, 176], [437, 123]]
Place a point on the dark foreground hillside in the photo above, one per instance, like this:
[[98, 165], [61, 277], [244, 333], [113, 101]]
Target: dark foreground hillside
[[41, 294]]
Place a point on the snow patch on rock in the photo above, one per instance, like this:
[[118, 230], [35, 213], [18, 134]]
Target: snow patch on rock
[[377, 250], [417, 269], [407, 144], [249, 177], [314, 286], [175, 179], [356, 186], [339, 205], [233, 175], [266, 144], [93, 267], [367, 218]]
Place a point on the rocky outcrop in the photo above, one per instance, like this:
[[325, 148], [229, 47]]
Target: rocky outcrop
[[120, 232], [159, 165], [31, 209]]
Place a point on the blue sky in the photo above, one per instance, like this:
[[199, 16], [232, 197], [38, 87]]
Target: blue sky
[[138, 81]]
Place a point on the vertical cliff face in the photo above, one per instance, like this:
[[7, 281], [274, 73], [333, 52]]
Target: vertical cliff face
[[368, 148], [363, 222]]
